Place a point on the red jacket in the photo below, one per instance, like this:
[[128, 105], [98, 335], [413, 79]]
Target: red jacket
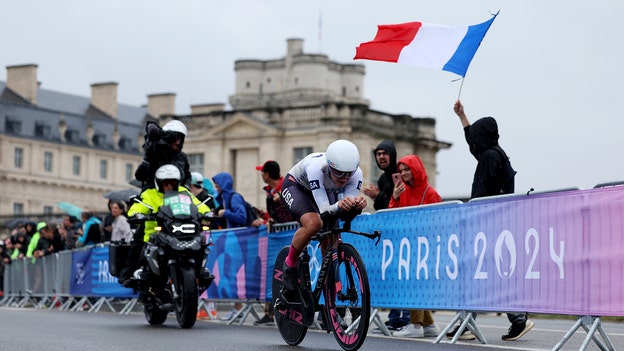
[[420, 192]]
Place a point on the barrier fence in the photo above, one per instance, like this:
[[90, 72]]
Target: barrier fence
[[550, 253]]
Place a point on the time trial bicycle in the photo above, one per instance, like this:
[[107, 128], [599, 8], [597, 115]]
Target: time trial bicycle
[[342, 280]]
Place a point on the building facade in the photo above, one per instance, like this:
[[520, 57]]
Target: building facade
[[57, 147]]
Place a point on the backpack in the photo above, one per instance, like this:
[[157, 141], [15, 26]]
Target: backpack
[[250, 211], [507, 185]]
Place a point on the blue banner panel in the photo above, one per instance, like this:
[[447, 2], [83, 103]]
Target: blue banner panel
[[81, 273], [104, 284], [236, 262]]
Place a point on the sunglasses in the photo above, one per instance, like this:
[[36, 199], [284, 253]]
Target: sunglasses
[[340, 174]]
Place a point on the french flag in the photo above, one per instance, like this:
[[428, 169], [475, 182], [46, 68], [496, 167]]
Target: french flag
[[426, 45]]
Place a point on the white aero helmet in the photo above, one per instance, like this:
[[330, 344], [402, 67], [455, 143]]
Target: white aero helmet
[[343, 156], [166, 172], [175, 126]]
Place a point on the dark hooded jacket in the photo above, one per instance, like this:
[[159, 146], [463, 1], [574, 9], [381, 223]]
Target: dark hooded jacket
[[235, 213], [158, 153], [482, 137], [385, 182]]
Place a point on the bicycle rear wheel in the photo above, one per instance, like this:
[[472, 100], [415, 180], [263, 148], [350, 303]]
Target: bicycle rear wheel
[[347, 298], [292, 333]]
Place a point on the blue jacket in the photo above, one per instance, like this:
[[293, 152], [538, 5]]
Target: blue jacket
[[235, 213]]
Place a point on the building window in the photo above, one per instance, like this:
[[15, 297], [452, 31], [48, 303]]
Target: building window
[[129, 171], [103, 169], [18, 157], [196, 162], [43, 130], [47, 161], [296, 81], [125, 144], [76, 165], [301, 152], [13, 126], [247, 85], [47, 210], [344, 91], [99, 140], [72, 135], [18, 208]]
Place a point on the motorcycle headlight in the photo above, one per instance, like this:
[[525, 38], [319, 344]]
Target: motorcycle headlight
[[158, 228], [184, 228]]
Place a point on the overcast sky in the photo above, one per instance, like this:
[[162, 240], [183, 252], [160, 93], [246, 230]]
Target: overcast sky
[[548, 71]]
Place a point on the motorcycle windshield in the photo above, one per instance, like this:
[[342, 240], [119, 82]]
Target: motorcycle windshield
[[178, 203]]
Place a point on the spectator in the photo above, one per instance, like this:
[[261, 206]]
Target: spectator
[[19, 244], [120, 227], [68, 231], [232, 207], [163, 146], [197, 188], [46, 243], [278, 212], [490, 178], [91, 232], [414, 189], [107, 224], [5, 259], [386, 157], [34, 241]]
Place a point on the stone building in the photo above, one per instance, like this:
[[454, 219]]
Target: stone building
[[60, 147], [284, 109]]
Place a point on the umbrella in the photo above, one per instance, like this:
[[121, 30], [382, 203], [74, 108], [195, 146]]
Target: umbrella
[[121, 195], [70, 209], [15, 222]]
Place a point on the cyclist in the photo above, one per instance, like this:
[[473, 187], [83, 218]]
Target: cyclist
[[321, 182]]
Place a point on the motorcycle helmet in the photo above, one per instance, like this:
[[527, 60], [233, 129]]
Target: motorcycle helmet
[[343, 158], [173, 130], [166, 172]]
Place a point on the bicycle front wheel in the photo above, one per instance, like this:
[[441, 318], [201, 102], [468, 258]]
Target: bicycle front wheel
[[347, 298]]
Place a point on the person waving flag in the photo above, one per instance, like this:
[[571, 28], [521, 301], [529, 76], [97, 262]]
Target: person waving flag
[[426, 45]]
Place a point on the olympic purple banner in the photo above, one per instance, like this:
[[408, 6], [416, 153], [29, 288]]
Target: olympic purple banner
[[557, 252]]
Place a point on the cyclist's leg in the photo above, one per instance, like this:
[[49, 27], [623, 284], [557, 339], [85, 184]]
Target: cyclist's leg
[[310, 225], [303, 208]]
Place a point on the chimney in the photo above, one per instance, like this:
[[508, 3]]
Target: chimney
[[22, 80], [294, 47], [104, 97], [161, 104], [207, 108]]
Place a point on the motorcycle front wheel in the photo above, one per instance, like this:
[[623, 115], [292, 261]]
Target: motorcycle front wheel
[[186, 302], [154, 315]]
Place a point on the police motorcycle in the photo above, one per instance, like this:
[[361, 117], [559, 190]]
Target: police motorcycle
[[173, 272]]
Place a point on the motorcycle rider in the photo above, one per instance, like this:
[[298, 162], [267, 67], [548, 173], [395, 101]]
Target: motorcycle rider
[[167, 178], [163, 146]]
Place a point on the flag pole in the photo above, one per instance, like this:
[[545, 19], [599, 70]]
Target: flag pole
[[460, 87]]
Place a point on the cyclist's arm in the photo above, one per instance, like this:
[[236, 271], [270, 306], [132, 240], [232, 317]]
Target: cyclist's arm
[[317, 186]]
